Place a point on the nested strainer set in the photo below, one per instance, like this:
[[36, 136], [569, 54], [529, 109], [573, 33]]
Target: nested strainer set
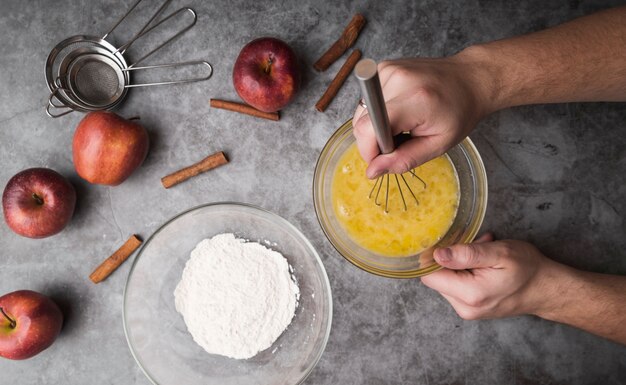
[[88, 73]]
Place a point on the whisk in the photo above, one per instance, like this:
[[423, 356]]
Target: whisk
[[367, 74]]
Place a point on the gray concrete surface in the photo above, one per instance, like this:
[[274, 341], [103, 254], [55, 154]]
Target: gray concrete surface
[[556, 178]]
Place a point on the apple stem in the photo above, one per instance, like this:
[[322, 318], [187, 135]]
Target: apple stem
[[11, 320], [38, 199], [268, 67]]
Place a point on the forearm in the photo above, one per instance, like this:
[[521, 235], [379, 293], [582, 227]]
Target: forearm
[[590, 301], [581, 60]]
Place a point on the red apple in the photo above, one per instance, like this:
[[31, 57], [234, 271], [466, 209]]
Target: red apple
[[38, 202], [108, 148], [29, 323], [266, 74]]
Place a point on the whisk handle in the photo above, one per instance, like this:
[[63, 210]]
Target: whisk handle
[[366, 72]]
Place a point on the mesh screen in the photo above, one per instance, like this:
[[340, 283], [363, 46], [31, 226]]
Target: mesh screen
[[96, 83]]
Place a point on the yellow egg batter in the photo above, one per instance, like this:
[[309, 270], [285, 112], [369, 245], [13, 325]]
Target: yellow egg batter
[[396, 232]]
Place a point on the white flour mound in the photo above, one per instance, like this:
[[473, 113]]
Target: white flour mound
[[236, 297]]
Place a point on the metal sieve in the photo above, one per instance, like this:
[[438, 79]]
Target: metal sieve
[[87, 73], [58, 64], [96, 80]]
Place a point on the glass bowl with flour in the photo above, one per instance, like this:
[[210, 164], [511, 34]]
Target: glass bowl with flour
[[227, 294]]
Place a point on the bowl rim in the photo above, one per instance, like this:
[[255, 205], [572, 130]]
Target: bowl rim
[[252, 207], [415, 273]]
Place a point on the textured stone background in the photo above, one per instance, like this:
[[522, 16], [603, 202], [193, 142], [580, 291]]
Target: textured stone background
[[556, 178]]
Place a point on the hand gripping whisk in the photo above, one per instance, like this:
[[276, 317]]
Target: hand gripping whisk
[[367, 74]]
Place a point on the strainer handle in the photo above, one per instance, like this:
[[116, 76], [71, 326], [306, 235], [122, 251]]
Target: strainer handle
[[144, 32], [52, 105], [366, 71], [182, 64], [127, 45]]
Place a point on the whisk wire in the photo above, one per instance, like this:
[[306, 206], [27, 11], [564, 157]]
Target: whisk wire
[[387, 196], [369, 196], [380, 178], [416, 176], [400, 190], [384, 179], [410, 190]]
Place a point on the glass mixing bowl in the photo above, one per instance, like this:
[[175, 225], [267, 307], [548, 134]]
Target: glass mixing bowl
[[157, 335], [469, 217]]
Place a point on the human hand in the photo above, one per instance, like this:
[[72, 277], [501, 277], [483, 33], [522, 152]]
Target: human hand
[[490, 279], [438, 101]]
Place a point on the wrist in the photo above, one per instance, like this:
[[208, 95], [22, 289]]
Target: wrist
[[484, 77], [556, 289]]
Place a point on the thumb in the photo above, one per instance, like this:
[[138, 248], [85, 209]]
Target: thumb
[[470, 256], [406, 157]]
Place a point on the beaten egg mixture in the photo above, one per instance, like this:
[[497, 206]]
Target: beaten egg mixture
[[397, 232]]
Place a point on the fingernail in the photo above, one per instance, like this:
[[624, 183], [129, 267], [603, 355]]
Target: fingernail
[[444, 255], [376, 174]]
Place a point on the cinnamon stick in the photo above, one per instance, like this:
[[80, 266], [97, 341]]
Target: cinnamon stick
[[206, 164], [244, 109], [347, 40], [116, 259], [340, 78]]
